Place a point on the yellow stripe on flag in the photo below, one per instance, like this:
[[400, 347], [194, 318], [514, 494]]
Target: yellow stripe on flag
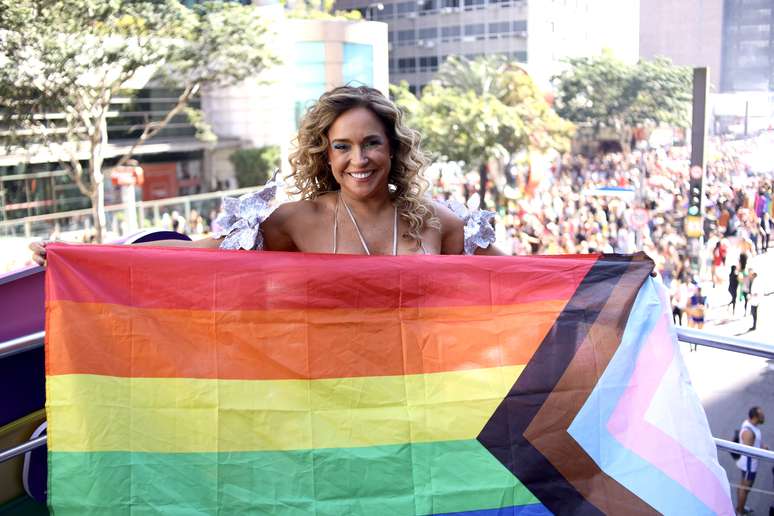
[[202, 415]]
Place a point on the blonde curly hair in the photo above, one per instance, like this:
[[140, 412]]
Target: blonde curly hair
[[309, 162]]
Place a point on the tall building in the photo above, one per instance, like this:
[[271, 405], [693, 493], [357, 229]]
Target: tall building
[[539, 33], [734, 38], [748, 46]]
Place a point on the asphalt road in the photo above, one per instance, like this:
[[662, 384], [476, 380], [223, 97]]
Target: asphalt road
[[730, 383]]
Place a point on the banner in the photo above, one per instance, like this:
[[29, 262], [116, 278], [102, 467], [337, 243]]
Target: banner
[[197, 381]]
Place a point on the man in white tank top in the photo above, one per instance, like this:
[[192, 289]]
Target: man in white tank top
[[749, 434]]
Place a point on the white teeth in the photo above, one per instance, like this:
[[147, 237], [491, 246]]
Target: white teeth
[[360, 175]]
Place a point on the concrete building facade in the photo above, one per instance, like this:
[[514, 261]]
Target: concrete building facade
[[539, 33]]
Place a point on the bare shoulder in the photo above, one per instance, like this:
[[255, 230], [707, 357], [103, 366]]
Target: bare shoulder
[[448, 219], [287, 225], [452, 229], [288, 212]]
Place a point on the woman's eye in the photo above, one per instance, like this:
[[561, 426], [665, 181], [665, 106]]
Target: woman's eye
[[340, 146]]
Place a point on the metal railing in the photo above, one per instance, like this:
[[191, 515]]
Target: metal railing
[[687, 335], [148, 213]]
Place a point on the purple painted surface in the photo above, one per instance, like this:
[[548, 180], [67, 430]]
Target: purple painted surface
[[22, 303]]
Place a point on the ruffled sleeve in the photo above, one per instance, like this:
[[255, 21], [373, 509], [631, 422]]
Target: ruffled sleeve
[[479, 232], [240, 218]]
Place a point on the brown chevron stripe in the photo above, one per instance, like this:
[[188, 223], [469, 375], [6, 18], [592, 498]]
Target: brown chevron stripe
[[548, 430]]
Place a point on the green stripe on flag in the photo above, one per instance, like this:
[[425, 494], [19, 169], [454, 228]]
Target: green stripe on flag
[[424, 478]]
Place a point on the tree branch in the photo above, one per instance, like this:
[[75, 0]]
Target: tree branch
[[152, 128]]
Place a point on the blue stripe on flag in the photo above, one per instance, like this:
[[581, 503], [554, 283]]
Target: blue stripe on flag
[[537, 509]]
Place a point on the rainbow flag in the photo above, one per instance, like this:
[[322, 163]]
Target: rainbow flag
[[211, 382]]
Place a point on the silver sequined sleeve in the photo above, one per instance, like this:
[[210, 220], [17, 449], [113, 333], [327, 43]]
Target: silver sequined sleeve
[[479, 231], [241, 218]]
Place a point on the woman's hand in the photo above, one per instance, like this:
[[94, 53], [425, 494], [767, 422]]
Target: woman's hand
[[39, 252]]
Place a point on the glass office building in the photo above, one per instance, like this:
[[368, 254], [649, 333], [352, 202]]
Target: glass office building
[[748, 46]]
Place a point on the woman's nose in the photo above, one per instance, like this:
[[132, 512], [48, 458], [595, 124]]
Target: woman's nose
[[360, 155]]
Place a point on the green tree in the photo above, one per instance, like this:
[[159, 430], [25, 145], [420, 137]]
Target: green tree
[[255, 166], [321, 10], [61, 64], [604, 92], [474, 111]]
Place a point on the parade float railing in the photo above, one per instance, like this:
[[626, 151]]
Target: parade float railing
[[690, 336]]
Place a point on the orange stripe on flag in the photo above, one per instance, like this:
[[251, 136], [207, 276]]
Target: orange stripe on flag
[[123, 341]]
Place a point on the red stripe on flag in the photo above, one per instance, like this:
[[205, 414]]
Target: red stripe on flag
[[210, 279]]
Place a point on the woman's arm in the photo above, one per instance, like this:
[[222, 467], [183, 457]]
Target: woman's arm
[[39, 248], [203, 243]]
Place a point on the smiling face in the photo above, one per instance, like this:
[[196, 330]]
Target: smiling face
[[359, 154]]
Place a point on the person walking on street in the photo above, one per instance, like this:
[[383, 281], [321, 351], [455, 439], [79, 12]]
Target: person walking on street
[[696, 309], [745, 282], [679, 293], [749, 434], [756, 293], [733, 287]]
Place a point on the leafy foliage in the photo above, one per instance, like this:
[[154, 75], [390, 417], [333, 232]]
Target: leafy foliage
[[606, 92], [323, 10], [255, 166], [61, 64], [477, 110]]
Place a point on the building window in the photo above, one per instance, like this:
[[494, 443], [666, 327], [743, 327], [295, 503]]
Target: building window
[[520, 56], [428, 64], [450, 4], [428, 33], [406, 37], [309, 64], [406, 8], [476, 30], [407, 65], [427, 6], [451, 33], [358, 64], [386, 13], [520, 26], [477, 4], [499, 28]]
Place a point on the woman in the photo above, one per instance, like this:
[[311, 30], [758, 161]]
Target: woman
[[356, 168]]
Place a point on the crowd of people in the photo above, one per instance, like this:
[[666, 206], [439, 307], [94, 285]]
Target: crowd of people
[[623, 203]]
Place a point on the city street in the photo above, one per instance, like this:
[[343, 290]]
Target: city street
[[730, 383]]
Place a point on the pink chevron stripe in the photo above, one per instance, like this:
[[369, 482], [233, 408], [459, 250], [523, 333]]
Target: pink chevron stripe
[[629, 427]]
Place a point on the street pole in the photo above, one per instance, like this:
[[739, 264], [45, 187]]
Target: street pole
[[694, 222]]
